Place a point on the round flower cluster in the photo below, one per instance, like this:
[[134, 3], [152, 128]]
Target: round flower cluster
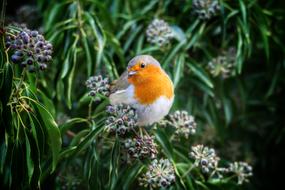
[[224, 64], [206, 9], [62, 118], [183, 123], [98, 84], [30, 49], [29, 14], [122, 118], [242, 170], [160, 174], [159, 32], [18, 104], [69, 177], [141, 147], [204, 157]]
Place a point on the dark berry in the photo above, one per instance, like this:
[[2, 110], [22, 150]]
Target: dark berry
[[48, 46], [92, 93], [120, 122], [40, 38], [16, 58], [19, 53], [23, 64], [122, 131], [29, 61], [47, 52], [34, 33], [8, 39], [44, 59], [29, 53], [39, 58], [163, 183], [43, 66], [40, 44], [38, 50], [26, 39], [204, 162], [18, 42], [7, 44]]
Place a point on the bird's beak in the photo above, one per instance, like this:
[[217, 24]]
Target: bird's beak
[[131, 73]]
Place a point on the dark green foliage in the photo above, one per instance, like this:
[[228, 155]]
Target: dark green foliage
[[226, 62]]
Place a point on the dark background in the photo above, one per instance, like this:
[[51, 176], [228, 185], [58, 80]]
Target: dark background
[[266, 135]]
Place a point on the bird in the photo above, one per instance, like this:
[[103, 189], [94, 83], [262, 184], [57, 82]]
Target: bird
[[146, 87]]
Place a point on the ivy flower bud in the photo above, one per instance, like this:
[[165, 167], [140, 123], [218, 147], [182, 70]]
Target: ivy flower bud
[[205, 9], [143, 146], [121, 118], [28, 49], [160, 173], [98, 84], [159, 32]]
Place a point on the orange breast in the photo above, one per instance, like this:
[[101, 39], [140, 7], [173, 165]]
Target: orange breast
[[150, 84]]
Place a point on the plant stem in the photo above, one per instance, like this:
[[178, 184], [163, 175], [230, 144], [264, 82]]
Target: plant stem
[[90, 109], [189, 170]]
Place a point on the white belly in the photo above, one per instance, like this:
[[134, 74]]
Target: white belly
[[147, 114]]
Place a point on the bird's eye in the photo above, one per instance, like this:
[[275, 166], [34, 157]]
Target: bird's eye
[[143, 65]]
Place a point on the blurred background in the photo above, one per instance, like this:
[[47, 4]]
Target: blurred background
[[227, 65]]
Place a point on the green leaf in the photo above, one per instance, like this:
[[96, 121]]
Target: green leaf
[[53, 13], [98, 33], [131, 175], [183, 168], [70, 123], [132, 37], [227, 110], [179, 68], [47, 102], [172, 54], [114, 164], [84, 143], [70, 80], [6, 89], [200, 73], [3, 154], [89, 61], [165, 143], [29, 161], [54, 137]]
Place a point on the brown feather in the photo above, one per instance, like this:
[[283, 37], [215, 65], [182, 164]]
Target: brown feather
[[121, 83]]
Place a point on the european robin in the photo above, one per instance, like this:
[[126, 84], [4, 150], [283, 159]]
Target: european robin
[[146, 87]]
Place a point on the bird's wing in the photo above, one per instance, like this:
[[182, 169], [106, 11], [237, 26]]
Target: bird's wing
[[121, 83], [119, 92]]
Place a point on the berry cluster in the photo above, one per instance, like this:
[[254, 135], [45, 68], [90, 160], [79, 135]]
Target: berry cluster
[[141, 147], [159, 32], [30, 49], [69, 178], [122, 118], [224, 64], [242, 170], [29, 14], [206, 9], [18, 104], [160, 174], [98, 84], [183, 123], [204, 157]]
